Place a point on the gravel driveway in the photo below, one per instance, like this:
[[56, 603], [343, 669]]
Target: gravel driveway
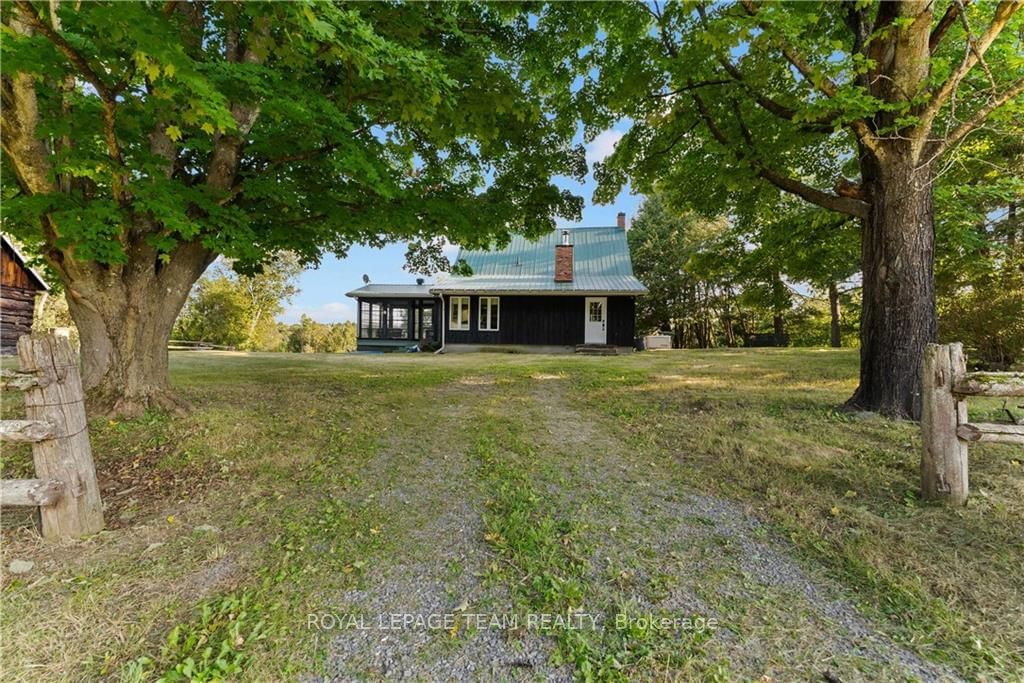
[[657, 546]]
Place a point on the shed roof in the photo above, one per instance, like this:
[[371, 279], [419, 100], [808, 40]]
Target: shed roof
[[601, 265], [33, 275]]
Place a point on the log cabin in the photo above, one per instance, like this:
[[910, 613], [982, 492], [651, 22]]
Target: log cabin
[[20, 287], [572, 289]]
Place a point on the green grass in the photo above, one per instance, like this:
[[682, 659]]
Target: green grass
[[761, 427], [275, 455], [543, 559]]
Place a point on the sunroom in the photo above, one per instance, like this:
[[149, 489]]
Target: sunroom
[[395, 317]]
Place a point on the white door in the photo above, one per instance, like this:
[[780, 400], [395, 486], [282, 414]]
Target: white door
[[595, 320]]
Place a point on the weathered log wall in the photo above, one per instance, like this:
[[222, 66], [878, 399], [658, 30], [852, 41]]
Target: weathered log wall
[[17, 308]]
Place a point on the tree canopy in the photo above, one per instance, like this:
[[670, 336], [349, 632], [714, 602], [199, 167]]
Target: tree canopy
[[855, 107], [147, 138]]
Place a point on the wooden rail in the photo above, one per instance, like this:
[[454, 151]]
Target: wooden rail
[[944, 427], [188, 345], [26, 430], [31, 491], [66, 490]]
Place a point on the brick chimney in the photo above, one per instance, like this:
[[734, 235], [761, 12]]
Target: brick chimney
[[563, 259], [622, 220]]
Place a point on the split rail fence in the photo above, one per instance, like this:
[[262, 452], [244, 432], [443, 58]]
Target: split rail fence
[[66, 491], [945, 428]]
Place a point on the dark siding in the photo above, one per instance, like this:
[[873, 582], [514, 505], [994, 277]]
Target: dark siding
[[543, 320], [621, 320]]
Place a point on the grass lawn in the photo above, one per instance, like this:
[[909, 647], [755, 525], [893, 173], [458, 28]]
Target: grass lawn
[[685, 515]]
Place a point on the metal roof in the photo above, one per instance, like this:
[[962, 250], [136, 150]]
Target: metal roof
[[392, 291], [601, 265]]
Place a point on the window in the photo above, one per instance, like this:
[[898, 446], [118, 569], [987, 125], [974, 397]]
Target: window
[[488, 314], [596, 311], [398, 322], [423, 320], [428, 321], [458, 317], [384, 319]]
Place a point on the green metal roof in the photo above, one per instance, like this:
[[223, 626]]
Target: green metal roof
[[601, 265]]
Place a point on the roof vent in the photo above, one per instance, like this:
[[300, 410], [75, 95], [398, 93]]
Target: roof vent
[[419, 281]]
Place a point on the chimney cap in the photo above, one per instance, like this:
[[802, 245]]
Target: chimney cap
[[622, 220], [565, 237]]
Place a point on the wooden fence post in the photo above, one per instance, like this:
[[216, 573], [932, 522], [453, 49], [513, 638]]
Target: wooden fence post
[[56, 397], [944, 461]]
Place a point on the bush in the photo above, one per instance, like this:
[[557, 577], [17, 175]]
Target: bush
[[987, 315]]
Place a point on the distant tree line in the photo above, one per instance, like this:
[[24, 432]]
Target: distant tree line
[[309, 336], [718, 282], [788, 274], [240, 310]]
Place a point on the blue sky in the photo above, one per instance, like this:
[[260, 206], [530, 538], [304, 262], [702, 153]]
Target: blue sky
[[322, 295]]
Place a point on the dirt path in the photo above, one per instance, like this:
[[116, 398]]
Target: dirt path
[[675, 551], [425, 481], [657, 548]]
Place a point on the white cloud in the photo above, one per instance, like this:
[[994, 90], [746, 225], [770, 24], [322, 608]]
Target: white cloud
[[333, 312], [603, 145]]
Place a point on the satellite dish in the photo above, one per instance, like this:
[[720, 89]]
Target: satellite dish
[[366, 279]]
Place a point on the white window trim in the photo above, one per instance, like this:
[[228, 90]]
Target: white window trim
[[456, 306], [484, 320]]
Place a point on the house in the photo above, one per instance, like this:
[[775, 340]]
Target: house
[[570, 289], [19, 287]]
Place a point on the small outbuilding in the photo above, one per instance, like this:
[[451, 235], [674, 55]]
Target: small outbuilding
[[20, 287]]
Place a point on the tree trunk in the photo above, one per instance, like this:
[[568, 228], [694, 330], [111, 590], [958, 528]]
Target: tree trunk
[[836, 336], [778, 310], [898, 253], [124, 316], [779, 330], [730, 333]]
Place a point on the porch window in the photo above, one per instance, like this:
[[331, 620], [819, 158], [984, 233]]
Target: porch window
[[488, 320], [384, 320], [428, 321], [458, 318]]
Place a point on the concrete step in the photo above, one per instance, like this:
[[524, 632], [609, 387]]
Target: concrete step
[[596, 350]]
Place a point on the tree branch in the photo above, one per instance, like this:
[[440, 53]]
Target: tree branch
[[692, 86], [1004, 11], [304, 156], [959, 133], [848, 205], [861, 28], [106, 93], [227, 149], [823, 83], [767, 103], [947, 20], [31, 17], [19, 125]]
